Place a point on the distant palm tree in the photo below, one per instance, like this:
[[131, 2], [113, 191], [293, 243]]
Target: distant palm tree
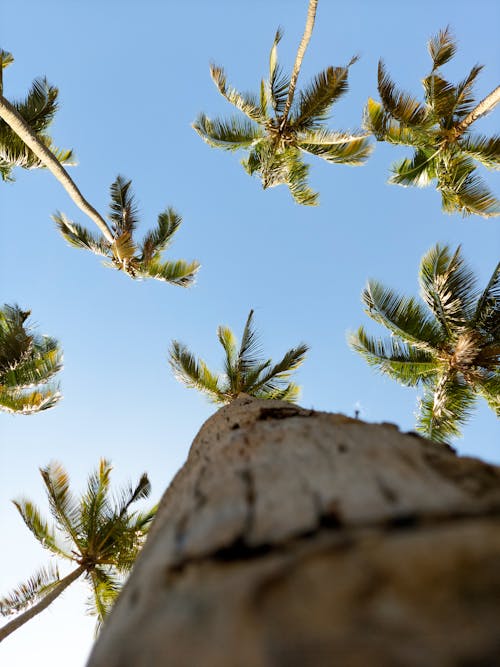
[[439, 131], [277, 130], [245, 372], [28, 363], [138, 260], [37, 111], [453, 352], [101, 537]]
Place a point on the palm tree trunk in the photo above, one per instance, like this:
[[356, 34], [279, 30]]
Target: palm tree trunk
[[18, 125], [292, 537], [23, 618], [484, 107], [311, 15]]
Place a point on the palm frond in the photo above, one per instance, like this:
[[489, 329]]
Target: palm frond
[[464, 192], [448, 287], [442, 47], [316, 100], [297, 173], [490, 390], [29, 592], [278, 82], [80, 237], [440, 96], [123, 210], [400, 105], [158, 240], [419, 171], [404, 316], [40, 528], [194, 374], [179, 272], [289, 393], [230, 346], [106, 587], [132, 494], [63, 506], [38, 368], [245, 102], [405, 363], [94, 504], [487, 313], [229, 134], [275, 379], [248, 354], [465, 100], [20, 402], [354, 150], [444, 408], [380, 124], [483, 149]]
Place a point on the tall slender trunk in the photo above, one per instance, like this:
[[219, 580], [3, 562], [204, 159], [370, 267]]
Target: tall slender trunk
[[292, 537], [484, 107], [20, 620], [18, 125], [311, 15]]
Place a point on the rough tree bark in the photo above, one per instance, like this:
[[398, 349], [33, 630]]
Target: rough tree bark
[[295, 538]]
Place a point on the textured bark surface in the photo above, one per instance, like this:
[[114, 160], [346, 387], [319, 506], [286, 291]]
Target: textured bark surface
[[293, 537]]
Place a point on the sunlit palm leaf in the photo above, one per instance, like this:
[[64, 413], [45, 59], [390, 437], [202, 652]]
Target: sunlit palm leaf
[[353, 152], [483, 149], [80, 237], [63, 506], [230, 135], [105, 589], [418, 171], [158, 240], [278, 82], [465, 193], [193, 373], [442, 47], [40, 528], [180, 272], [444, 408], [38, 368], [402, 107], [465, 100], [29, 592], [440, 96], [405, 363], [316, 100], [124, 214], [245, 102], [487, 313]]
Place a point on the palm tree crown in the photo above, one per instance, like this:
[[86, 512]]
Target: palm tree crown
[[453, 351], [138, 260], [98, 534], [28, 362], [245, 372], [445, 149], [278, 129], [37, 110]]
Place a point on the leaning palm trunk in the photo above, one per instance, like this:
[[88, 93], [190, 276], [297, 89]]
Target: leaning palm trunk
[[484, 107], [306, 37], [23, 618], [292, 537], [17, 124]]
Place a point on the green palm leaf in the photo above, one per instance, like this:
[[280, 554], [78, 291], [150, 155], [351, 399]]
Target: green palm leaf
[[405, 363], [316, 100], [463, 192], [444, 408], [63, 506], [105, 589], [25, 594], [465, 100], [487, 313], [159, 239], [37, 369], [279, 83], [483, 149], [193, 373], [124, 214], [419, 171], [80, 237], [354, 150], [442, 47], [401, 106], [180, 272], [230, 135], [245, 102]]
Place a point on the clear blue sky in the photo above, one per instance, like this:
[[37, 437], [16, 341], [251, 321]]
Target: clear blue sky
[[132, 77]]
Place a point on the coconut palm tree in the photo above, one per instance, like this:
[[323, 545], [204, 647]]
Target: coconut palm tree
[[245, 371], [138, 260], [279, 129], [37, 112], [99, 536], [452, 352], [28, 362], [445, 149]]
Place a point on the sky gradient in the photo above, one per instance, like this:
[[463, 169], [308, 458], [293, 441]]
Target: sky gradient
[[132, 77]]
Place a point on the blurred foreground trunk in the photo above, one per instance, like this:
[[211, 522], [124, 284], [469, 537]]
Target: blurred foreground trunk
[[293, 538]]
